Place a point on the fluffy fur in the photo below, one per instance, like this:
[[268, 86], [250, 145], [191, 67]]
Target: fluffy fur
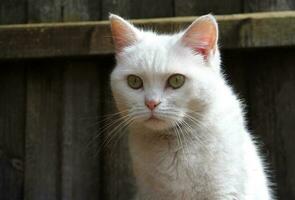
[[198, 147]]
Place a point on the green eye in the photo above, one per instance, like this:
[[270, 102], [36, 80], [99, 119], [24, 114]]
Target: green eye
[[134, 82], [176, 81]]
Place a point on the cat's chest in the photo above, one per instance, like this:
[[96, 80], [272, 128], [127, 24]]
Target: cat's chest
[[170, 170], [175, 179], [166, 167], [172, 178]]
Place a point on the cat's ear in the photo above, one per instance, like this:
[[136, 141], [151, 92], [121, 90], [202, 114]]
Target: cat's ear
[[124, 34], [202, 35]]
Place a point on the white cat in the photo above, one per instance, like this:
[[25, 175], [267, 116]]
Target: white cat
[[188, 139]]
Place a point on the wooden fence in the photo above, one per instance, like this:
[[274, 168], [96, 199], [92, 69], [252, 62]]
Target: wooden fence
[[54, 88]]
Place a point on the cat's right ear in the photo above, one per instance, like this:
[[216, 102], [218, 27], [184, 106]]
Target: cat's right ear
[[124, 34]]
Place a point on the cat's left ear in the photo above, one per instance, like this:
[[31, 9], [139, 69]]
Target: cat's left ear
[[202, 35]]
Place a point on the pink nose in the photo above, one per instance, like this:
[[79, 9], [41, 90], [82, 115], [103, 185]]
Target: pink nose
[[152, 104]]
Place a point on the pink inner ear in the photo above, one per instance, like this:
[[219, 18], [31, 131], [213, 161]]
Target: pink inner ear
[[123, 34], [201, 36], [207, 45], [202, 51]]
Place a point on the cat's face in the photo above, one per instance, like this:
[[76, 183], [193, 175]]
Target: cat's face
[[160, 80]]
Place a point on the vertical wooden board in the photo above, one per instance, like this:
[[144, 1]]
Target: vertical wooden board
[[13, 12], [119, 7], [138, 9], [268, 5], [63, 10], [43, 131], [272, 98], [119, 182], [199, 7], [12, 118], [80, 162], [81, 10], [44, 11], [151, 8]]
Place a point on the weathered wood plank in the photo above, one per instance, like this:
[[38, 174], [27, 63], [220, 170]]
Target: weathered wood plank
[[48, 41], [63, 11], [13, 11], [268, 5], [118, 179], [80, 162], [12, 130], [199, 7], [272, 97], [81, 10], [133, 9], [152, 8], [44, 11], [43, 131], [121, 7], [94, 38]]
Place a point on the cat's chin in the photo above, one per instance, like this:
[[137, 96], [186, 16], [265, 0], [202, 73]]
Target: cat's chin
[[156, 124]]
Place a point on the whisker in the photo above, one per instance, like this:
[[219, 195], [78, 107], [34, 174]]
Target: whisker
[[105, 127], [115, 131]]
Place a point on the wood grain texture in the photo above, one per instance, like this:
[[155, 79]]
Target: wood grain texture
[[272, 97], [119, 7], [94, 38], [118, 179], [22, 11], [44, 11], [13, 11], [134, 9], [12, 130], [268, 5], [80, 161], [81, 10], [152, 8], [63, 10], [43, 131], [199, 7], [49, 40]]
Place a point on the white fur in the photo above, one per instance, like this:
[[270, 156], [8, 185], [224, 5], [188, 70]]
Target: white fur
[[215, 157]]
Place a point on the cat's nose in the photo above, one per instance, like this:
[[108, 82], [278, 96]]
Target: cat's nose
[[152, 104]]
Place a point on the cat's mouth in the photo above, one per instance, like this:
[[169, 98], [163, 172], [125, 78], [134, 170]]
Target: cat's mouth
[[153, 118], [156, 123]]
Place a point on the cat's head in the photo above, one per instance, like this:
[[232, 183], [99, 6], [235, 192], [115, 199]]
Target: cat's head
[[161, 80]]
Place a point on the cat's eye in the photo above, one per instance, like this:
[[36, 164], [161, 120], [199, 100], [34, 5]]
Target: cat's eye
[[176, 81], [134, 82]]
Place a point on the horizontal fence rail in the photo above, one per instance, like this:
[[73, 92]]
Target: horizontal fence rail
[[270, 29]]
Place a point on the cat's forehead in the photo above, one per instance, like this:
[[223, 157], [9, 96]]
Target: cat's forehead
[[152, 50], [157, 42], [156, 54], [148, 62]]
